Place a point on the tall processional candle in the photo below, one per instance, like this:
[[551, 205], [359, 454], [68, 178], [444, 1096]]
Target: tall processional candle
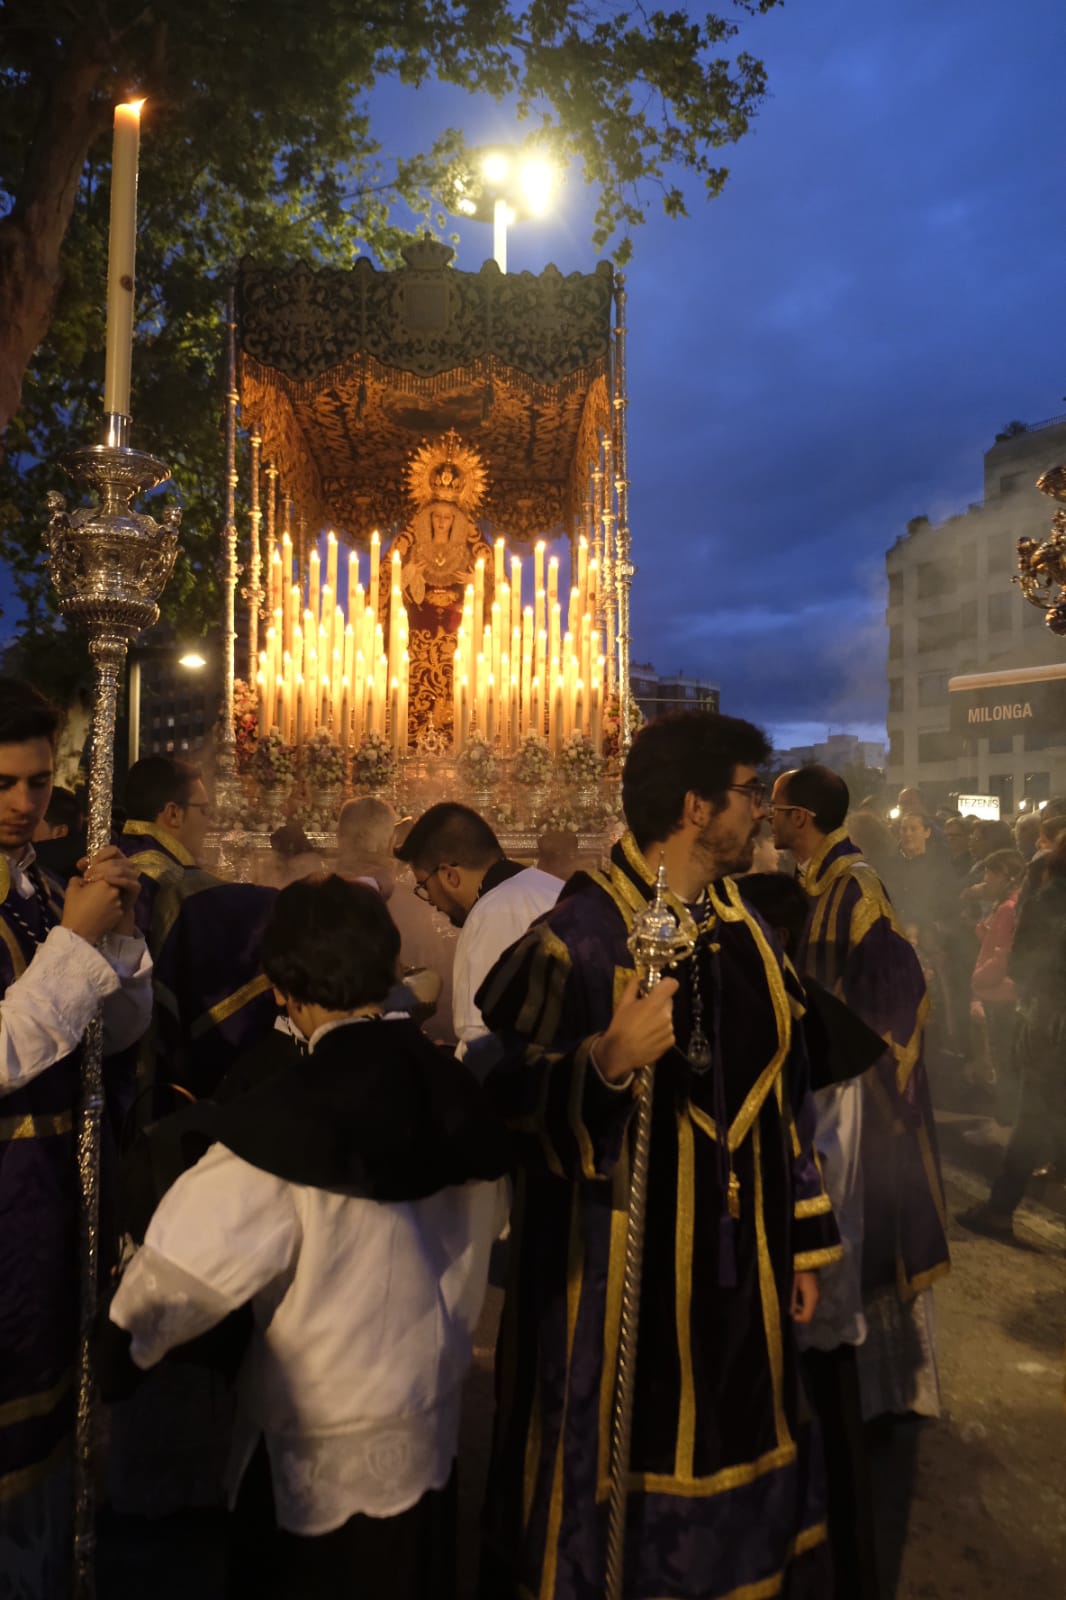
[[553, 582], [596, 715], [504, 713], [515, 709], [497, 567], [262, 707], [375, 565], [496, 641], [541, 656], [593, 601], [583, 574], [579, 706], [554, 629], [538, 566], [353, 581], [573, 612], [536, 709], [405, 682], [331, 562], [274, 581], [300, 711], [490, 709], [122, 257], [394, 715], [346, 713], [479, 600], [464, 713], [540, 609], [516, 592], [313, 584]]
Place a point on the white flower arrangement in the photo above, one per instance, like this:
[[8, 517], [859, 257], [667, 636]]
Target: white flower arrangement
[[273, 761], [373, 764], [532, 764], [579, 763], [477, 764], [323, 761]]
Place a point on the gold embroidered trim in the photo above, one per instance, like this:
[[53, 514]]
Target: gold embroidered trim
[[816, 1206], [771, 1306], [811, 1260], [226, 1008], [162, 836], [41, 1127], [27, 1406], [684, 1458], [24, 1479], [18, 960], [720, 1482]]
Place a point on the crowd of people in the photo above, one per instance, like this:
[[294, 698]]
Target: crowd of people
[[332, 1097]]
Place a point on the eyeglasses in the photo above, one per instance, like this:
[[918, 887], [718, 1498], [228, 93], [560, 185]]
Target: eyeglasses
[[756, 792], [421, 891], [784, 806]]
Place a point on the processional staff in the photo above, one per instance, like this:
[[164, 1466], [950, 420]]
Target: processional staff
[[657, 941], [109, 565]]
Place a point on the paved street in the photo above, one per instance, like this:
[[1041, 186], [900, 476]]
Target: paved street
[[970, 1508]]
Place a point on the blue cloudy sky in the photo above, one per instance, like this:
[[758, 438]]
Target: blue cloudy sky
[[828, 348]]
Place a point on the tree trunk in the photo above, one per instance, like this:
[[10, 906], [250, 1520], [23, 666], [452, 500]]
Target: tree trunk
[[31, 236]]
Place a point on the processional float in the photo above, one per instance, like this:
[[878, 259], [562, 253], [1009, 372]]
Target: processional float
[[421, 445]]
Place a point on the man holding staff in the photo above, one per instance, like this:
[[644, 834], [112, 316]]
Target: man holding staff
[[724, 1491], [53, 976]]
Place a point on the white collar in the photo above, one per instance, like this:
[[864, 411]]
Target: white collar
[[19, 867]]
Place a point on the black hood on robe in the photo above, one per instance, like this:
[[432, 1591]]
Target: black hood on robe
[[375, 1110]]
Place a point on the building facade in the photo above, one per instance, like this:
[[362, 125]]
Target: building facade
[[658, 692], [952, 610]]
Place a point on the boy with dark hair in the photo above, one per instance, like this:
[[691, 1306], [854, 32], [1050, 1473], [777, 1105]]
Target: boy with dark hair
[[352, 1198], [53, 977]]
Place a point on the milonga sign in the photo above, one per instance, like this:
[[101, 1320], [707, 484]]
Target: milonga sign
[[1018, 700]]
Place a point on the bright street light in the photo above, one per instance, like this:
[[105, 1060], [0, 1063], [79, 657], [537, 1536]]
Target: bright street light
[[505, 185], [192, 661]]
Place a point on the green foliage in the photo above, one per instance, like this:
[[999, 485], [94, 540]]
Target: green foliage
[[259, 141]]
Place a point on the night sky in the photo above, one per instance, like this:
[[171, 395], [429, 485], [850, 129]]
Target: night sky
[[827, 349]]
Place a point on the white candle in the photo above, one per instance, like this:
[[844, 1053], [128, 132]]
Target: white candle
[[331, 561], [122, 257], [538, 566], [375, 566], [497, 567]]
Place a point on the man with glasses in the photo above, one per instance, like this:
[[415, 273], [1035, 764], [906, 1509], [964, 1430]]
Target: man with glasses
[[876, 1135], [724, 1497], [460, 869]]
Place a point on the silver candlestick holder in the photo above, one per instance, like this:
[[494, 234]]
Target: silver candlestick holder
[[657, 940], [109, 566]]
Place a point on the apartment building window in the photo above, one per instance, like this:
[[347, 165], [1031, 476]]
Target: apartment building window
[[1000, 611], [895, 588], [937, 746], [932, 688], [1042, 741], [968, 620], [897, 745], [934, 633], [895, 694], [934, 580], [895, 641], [1000, 553], [1000, 744]]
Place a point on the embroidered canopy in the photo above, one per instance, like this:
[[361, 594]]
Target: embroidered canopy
[[346, 373]]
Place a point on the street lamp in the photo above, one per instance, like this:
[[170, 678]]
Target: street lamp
[[506, 184]]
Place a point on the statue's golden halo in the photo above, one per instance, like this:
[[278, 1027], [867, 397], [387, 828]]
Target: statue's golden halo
[[446, 469]]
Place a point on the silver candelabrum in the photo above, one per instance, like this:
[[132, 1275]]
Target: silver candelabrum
[[109, 565], [657, 940]]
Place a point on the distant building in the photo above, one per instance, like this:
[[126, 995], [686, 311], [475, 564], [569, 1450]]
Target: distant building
[[953, 611], [658, 692], [836, 750], [179, 706]]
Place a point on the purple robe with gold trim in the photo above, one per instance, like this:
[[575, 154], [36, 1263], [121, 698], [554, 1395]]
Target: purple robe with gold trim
[[854, 946], [725, 1483], [213, 999]]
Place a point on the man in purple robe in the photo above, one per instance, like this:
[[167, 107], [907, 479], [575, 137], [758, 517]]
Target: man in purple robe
[[53, 977], [724, 1480], [877, 1135]]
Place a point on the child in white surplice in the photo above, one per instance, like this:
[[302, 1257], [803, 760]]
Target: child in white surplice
[[352, 1197]]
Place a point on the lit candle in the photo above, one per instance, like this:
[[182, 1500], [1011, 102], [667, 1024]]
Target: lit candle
[[325, 703], [540, 611], [479, 598], [353, 580], [360, 682], [394, 714], [457, 681], [331, 561], [262, 712], [516, 592], [554, 625], [555, 718], [495, 641], [464, 714], [346, 713], [497, 567], [536, 718], [573, 614], [348, 657], [583, 573], [480, 687], [593, 599], [300, 712], [504, 714], [553, 581], [375, 564], [326, 612], [579, 706], [122, 257], [538, 566], [312, 585], [540, 659], [596, 717], [275, 581], [490, 709]]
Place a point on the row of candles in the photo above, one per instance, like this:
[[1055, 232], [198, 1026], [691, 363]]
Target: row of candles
[[515, 670], [345, 669]]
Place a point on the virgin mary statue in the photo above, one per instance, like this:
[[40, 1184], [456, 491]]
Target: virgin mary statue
[[438, 552]]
